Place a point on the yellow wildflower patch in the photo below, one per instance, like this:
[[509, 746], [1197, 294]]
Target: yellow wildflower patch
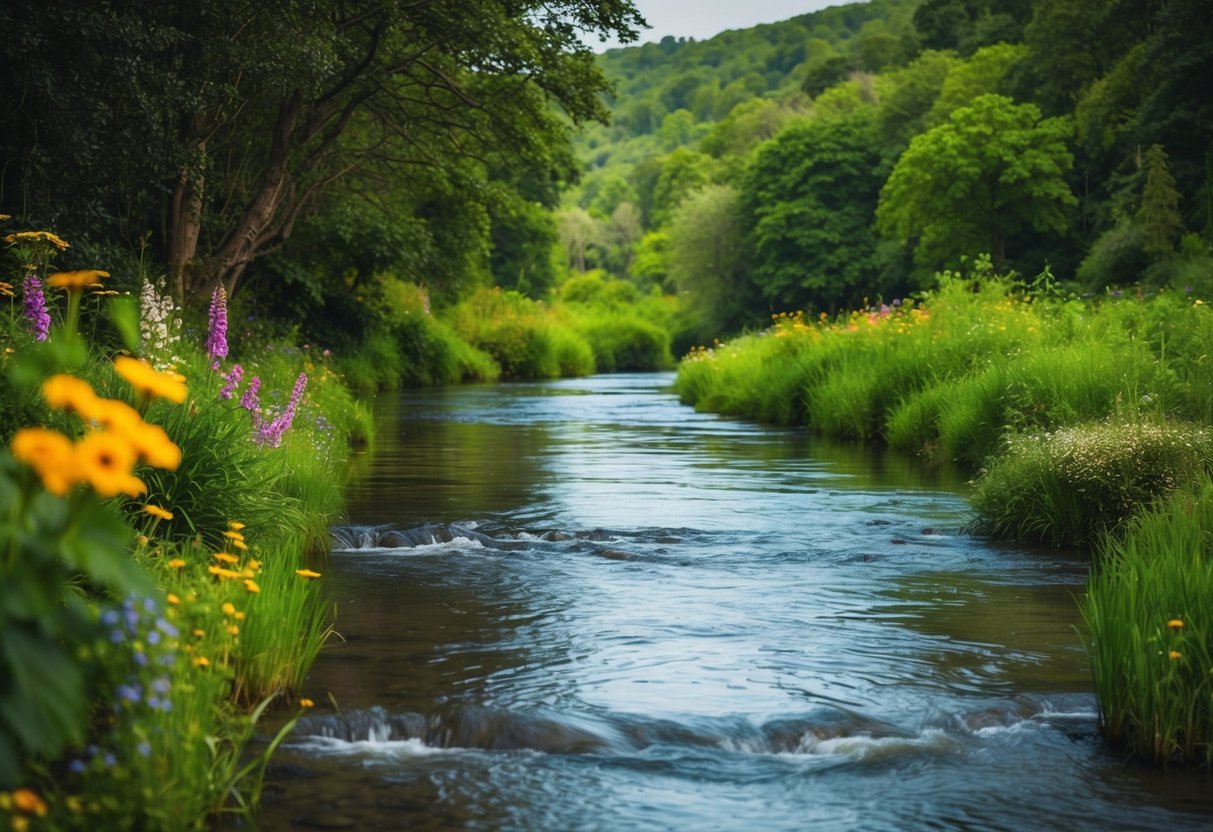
[[150, 382], [225, 557]]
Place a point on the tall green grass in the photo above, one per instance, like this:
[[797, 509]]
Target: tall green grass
[[1149, 607]]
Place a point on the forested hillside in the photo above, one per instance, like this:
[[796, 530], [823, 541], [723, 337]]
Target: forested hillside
[[855, 151]]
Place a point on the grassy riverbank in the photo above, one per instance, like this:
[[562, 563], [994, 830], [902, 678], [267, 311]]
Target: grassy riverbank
[[1087, 423], [164, 495]]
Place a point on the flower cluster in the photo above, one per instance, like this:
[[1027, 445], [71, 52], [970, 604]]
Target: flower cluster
[[35, 307], [232, 382], [269, 432], [105, 457], [159, 326], [216, 340]]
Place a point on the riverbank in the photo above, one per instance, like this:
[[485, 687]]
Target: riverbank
[[1078, 417], [166, 501]]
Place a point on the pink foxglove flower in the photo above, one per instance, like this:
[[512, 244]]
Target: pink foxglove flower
[[216, 341], [35, 307]]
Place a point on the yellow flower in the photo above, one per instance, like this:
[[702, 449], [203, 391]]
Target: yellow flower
[[233, 630], [105, 461], [235, 525], [27, 800], [70, 393], [6, 289], [172, 599], [238, 615], [251, 586], [306, 703], [1175, 624], [254, 564], [142, 540], [176, 563], [202, 661], [239, 544], [228, 608], [1175, 654], [224, 557], [149, 381], [233, 535], [157, 511], [50, 454], [199, 632], [38, 237], [77, 280], [307, 573], [220, 572]]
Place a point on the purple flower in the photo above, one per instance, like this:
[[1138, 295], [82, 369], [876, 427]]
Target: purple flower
[[249, 401], [35, 307], [233, 381], [216, 341], [270, 433]]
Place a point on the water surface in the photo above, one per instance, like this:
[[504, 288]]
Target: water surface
[[581, 605]]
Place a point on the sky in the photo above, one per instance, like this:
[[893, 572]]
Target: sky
[[701, 19]]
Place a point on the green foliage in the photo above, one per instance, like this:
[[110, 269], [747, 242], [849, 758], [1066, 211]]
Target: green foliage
[[1076, 483], [1151, 640], [809, 197], [1158, 216], [993, 170]]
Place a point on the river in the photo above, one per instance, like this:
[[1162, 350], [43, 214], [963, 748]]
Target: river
[[579, 604]]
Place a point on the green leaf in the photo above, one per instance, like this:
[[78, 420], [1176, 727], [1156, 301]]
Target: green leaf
[[42, 704], [124, 314]]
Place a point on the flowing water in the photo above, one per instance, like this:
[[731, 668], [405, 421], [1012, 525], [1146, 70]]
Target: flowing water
[[581, 605]]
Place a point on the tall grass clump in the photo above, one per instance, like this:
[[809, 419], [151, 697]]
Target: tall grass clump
[[521, 335], [1149, 609], [1071, 485]]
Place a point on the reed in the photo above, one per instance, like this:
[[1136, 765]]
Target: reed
[[1148, 609]]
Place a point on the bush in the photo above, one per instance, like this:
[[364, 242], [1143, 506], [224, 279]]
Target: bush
[[1072, 485]]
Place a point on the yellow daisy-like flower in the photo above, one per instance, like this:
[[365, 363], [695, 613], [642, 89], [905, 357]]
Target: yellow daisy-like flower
[[1175, 624], [27, 801], [233, 630], [176, 563], [105, 461], [149, 381], [66, 392], [254, 564], [251, 586], [220, 572], [6, 289], [306, 703], [202, 661], [233, 535], [228, 608], [157, 511], [225, 557], [307, 573], [239, 544], [1174, 655], [76, 281], [235, 525], [238, 615], [38, 237], [154, 446], [50, 454], [172, 599], [199, 632]]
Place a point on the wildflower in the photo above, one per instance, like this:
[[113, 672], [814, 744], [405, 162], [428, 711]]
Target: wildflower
[[250, 401], [232, 630], [1175, 624], [199, 632], [307, 573], [228, 608], [306, 703], [65, 392], [35, 307], [155, 317], [38, 237], [172, 599], [142, 540], [76, 281], [157, 511], [239, 544], [6, 289], [1175, 654], [105, 461], [233, 381], [50, 454], [225, 574], [216, 341], [176, 563], [251, 586], [238, 615], [224, 557], [233, 534], [27, 801], [150, 382], [202, 661], [235, 525], [270, 433]]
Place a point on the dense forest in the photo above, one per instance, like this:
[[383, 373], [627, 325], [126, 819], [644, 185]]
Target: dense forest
[[845, 154]]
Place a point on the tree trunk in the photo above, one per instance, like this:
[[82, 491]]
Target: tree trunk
[[184, 225], [1000, 250]]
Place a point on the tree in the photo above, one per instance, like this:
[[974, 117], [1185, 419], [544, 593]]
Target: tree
[[1159, 217], [809, 198], [681, 172], [706, 245], [994, 169], [578, 232], [235, 119]]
